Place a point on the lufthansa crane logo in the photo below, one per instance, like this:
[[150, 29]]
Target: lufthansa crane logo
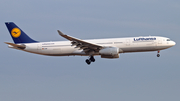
[[15, 32]]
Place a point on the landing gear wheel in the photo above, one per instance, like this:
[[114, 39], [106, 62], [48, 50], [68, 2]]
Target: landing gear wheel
[[88, 61], [92, 59], [158, 55]]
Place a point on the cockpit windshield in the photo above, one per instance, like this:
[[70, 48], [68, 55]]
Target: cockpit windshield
[[168, 40]]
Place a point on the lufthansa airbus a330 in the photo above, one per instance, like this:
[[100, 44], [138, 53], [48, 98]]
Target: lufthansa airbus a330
[[106, 48]]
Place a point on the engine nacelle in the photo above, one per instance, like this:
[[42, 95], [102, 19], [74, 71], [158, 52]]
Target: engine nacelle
[[109, 52], [110, 56]]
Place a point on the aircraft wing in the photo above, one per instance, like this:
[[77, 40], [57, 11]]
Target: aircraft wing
[[81, 44], [16, 45]]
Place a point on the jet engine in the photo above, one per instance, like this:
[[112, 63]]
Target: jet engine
[[109, 52]]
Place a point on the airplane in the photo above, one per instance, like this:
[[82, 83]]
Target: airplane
[[109, 48]]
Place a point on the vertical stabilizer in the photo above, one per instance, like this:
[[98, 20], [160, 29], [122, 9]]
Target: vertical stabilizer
[[17, 34]]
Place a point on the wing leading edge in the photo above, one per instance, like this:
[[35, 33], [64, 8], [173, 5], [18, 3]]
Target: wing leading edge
[[81, 44]]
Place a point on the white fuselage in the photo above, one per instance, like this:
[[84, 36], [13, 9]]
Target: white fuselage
[[131, 44]]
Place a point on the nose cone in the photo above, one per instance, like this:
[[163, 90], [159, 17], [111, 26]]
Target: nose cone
[[173, 43]]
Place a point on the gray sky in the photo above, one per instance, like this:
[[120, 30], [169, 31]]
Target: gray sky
[[134, 76]]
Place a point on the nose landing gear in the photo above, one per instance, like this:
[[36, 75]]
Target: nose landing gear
[[158, 55], [91, 59]]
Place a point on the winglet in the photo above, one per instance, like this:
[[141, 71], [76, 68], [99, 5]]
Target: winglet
[[65, 36], [60, 33]]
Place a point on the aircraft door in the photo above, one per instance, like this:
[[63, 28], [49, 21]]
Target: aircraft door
[[127, 42], [38, 47], [159, 41]]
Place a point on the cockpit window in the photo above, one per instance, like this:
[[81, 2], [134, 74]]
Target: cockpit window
[[168, 40]]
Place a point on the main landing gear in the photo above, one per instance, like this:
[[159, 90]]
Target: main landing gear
[[158, 55], [91, 59]]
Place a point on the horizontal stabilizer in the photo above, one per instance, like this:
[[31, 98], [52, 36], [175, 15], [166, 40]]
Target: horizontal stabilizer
[[21, 46]]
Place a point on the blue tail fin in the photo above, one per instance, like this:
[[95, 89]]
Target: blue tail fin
[[17, 34]]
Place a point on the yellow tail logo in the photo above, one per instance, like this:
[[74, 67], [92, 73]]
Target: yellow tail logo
[[15, 32]]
